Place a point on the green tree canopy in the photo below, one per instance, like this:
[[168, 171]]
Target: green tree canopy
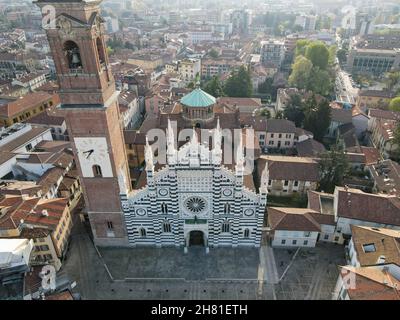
[[265, 113], [332, 54], [317, 117], [318, 54], [342, 55], [267, 87], [214, 87], [319, 82], [333, 166], [294, 110], [301, 71], [395, 104], [213, 54], [301, 46], [239, 83], [392, 79]]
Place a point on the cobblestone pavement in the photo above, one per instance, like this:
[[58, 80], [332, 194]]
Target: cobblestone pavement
[[223, 274]]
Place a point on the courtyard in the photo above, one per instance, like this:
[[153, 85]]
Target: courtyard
[[223, 274]]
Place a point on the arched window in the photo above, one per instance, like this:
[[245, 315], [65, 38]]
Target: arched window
[[226, 226], [100, 50], [164, 208], [73, 55], [227, 208], [166, 226], [246, 233], [142, 232], [97, 171]]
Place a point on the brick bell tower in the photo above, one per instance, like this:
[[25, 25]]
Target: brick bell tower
[[89, 103]]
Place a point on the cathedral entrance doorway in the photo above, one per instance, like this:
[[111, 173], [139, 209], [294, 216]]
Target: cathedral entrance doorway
[[196, 238]]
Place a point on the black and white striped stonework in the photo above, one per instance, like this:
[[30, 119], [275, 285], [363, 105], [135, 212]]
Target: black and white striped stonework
[[163, 202]]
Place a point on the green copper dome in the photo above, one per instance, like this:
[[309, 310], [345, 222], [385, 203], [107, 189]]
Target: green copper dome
[[198, 98]]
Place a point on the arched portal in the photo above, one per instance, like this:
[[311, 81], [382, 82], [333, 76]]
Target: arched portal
[[196, 238], [73, 55]]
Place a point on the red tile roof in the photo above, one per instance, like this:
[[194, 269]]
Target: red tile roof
[[293, 219], [30, 210], [378, 208], [29, 101]]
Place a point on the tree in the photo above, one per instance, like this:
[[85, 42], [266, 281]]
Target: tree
[[213, 54], [239, 83], [301, 46], [129, 45], [297, 28], [318, 54], [319, 82], [395, 104], [333, 166], [279, 115], [317, 117], [214, 87], [301, 71], [332, 54], [267, 87], [110, 51], [265, 113], [294, 111], [392, 79], [342, 55]]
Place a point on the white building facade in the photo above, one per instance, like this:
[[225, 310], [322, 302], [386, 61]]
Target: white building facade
[[195, 200]]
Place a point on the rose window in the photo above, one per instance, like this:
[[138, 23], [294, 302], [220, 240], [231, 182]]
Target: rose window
[[195, 204]]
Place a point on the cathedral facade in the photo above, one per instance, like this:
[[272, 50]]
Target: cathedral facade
[[195, 199]]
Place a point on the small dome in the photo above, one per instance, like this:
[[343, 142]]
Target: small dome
[[198, 98]]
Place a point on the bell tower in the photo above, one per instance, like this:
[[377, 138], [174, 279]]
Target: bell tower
[[89, 103]]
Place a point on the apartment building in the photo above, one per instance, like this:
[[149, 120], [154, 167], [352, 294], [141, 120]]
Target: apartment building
[[373, 61], [23, 109], [50, 218], [289, 175], [272, 52]]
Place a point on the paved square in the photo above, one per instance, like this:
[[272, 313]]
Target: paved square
[[168, 273], [219, 263]]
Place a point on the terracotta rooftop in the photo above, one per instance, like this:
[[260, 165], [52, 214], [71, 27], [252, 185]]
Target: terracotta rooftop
[[385, 243], [29, 101], [384, 114], [294, 219], [16, 208], [47, 119], [280, 126], [341, 115], [310, 148], [251, 102], [289, 168], [371, 283], [356, 204], [371, 154], [386, 175]]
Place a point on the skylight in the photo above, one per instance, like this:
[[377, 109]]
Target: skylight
[[369, 247]]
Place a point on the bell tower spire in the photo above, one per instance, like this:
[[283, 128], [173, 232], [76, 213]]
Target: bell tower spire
[[89, 103]]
